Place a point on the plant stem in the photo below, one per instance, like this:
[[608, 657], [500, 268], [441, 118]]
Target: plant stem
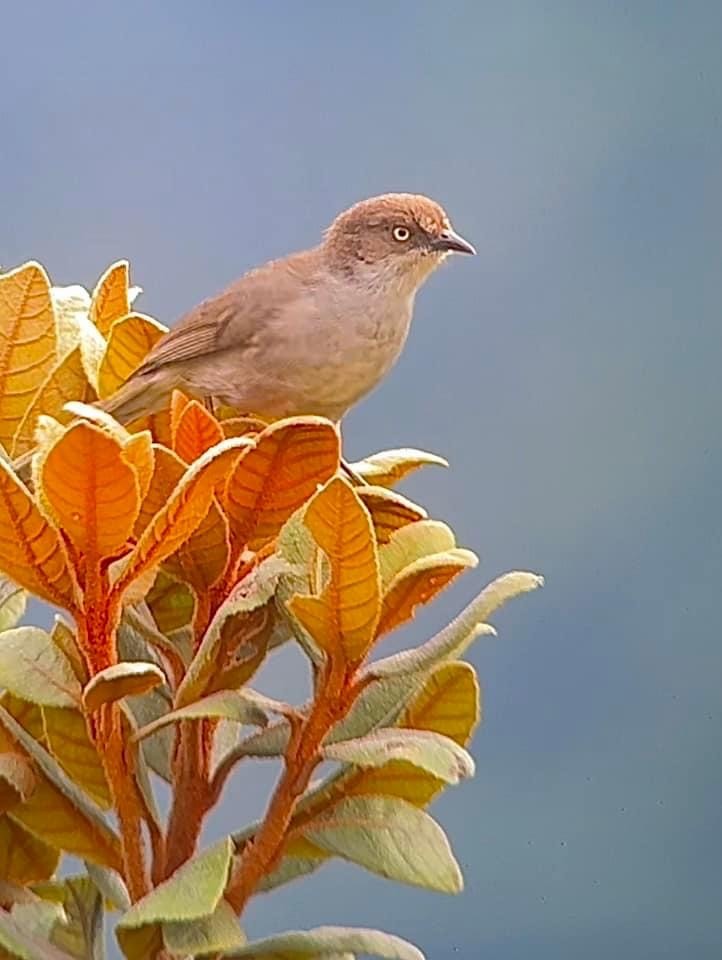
[[335, 697]]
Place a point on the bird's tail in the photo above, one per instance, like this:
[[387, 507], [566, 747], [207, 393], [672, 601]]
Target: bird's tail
[[138, 397]]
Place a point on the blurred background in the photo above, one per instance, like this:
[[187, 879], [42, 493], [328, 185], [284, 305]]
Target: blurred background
[[570, 373]]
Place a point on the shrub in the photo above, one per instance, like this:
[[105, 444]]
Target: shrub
[[179, 554]]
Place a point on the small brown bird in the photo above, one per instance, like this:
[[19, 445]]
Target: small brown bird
[[312, 333]]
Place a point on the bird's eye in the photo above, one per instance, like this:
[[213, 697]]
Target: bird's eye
[[401, 234]]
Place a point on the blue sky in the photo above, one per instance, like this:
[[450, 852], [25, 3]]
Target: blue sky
[[570, 373]]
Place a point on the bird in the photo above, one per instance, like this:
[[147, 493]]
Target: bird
[[311, 333]]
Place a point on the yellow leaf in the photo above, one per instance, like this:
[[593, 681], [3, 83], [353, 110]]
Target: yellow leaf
[[276, 475], [389, 511], [110, 299], [419, 583], [66, 381], [31, 551], [448, 703], [24, 858], [92, 490], [182, 514], [58, 812], [131, 338], [68, 741], [27, 343], [343, 619], [197, 430], [121, 680]]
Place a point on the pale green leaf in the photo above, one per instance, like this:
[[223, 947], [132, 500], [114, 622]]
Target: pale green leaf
[[33, 668], [389, 837], [329, 941], [429, 751], [388, 467], [454, 639], [125, 679], [79, 932], [12, 603], [218, 931], [253, 592], [110, 884], [20, 945], [242, 706], [193, 891], [411, 543]]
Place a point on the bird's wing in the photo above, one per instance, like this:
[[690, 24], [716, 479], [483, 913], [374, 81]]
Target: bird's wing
[[232, 317]]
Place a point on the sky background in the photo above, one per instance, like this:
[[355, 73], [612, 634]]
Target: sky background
[[570, 373]]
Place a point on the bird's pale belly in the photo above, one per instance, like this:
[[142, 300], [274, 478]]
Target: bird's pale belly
[[323, 380]]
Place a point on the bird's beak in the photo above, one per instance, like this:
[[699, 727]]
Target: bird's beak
[[450, 241]]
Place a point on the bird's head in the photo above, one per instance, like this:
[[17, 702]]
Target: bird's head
[[399, 238]]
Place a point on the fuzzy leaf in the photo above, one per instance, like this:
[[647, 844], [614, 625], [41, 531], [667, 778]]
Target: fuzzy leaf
[[31, 551], [433, 752], [80, 933], [419, 583], [110, 300], [191, 896], [17, 781], [325, 943], [389, 837], [58, 811], [241, 706], [182, 514], [249, 595], [126, 679], [12, 604], [342, 621], [110, 884], [92, 489], [33, 668], [18, 944], [389, 511], [196, 431], [455, 638], [67, 739], [27, 343], [411, 543], [388, 467], [66, 381], [171, 603], [24, 857], [131, 338], [275, 476]]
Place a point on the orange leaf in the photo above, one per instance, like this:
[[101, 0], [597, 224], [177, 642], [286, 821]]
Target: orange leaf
[[182, 514], [389, 511], [110, 297], [343, 619], [66, 381], [138, 452], [195, 432], [201, 560], [131, 338], [27, 343], [178, 402], [277, 475], [419, 583], [31, 551], [92, 489]]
